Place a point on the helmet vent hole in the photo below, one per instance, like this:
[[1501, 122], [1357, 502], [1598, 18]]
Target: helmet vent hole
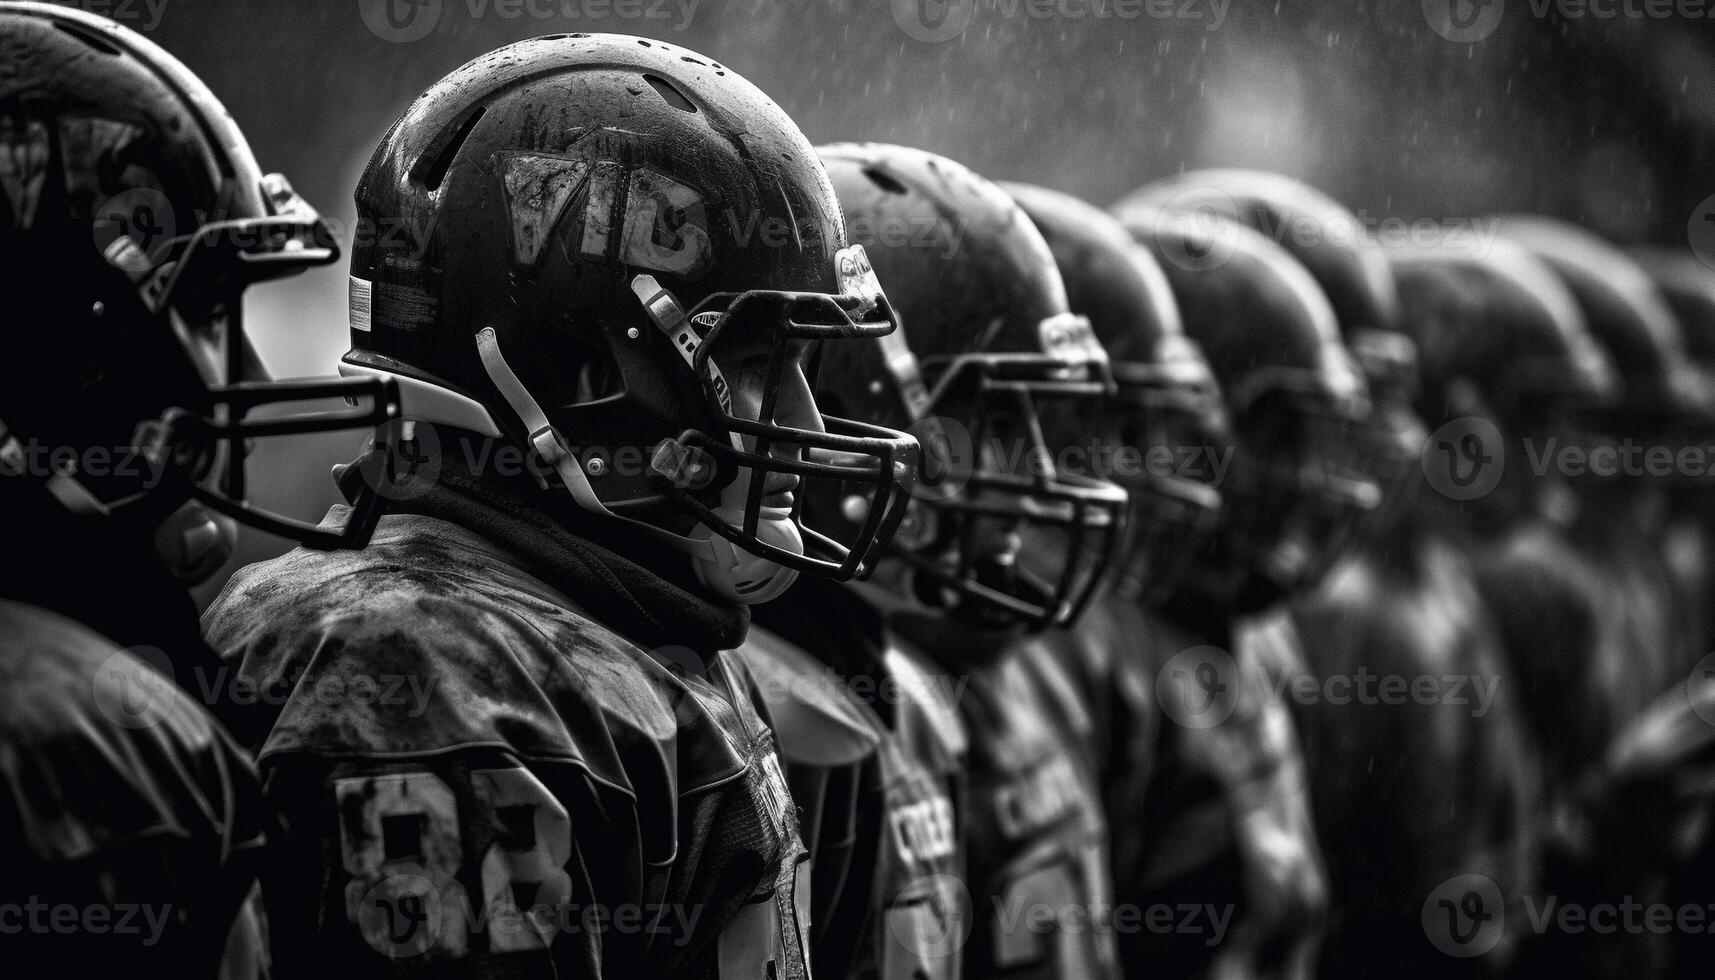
[[687, 58], [432, 167], [669, 94], [883, 180], [91, 39]]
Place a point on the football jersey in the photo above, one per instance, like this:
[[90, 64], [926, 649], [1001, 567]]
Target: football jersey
[[126, 813], [484, 781], [1037, 864], [1418, 758], [874, 753], [1227, 834]]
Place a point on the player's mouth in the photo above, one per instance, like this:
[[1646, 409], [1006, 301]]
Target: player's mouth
[[777, 491]]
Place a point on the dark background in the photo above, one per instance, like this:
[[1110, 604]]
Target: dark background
[[1609, 121]]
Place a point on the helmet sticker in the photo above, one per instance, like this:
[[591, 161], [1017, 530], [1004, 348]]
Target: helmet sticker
[[537, 190], [359, 294], [1069, 337], [665, 226]]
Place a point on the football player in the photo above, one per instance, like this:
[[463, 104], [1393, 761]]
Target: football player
[[868, 729], [1505, 353], [613, 257], [1405, 794], [132, 219], [1001, 539], [1154, 437], [1230, 818], [1610, 520]]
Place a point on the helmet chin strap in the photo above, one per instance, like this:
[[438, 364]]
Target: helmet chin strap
[[726, 570]]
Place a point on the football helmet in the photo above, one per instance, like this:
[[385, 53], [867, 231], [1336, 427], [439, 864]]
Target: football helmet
[[1339, 252], [616, 254], [1688, 287], [1000, 531], [1660, 387], [133, 216], [1294, 394], [1168, 415], [1499, 336]]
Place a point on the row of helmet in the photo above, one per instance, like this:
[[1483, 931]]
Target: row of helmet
[[936, 394]]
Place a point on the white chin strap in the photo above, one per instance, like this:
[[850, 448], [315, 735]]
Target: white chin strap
[[726, 570]]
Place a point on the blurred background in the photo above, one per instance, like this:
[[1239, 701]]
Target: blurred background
[[1601, 111]]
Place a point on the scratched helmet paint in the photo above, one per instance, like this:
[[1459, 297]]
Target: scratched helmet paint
[[133, 217], [1000, 531], [1167, 416], [603, 236]]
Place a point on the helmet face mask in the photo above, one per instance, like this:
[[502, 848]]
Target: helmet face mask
[[1001, 531], [769, 432], [1024, 537], [149, 356]]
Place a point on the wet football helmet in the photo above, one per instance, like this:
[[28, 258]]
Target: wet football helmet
[[1660, 388], [1330, 241], [1294, 394], [1167, 416], [133, 216], [617, 254], [1000, 530]]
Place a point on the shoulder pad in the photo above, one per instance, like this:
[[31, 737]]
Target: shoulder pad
[[924, 690], [816, 720]]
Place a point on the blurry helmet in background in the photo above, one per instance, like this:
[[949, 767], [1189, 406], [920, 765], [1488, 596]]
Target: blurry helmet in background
[[602, 235], [1294, 490], [1353, 272], [1000, 530], [133, 217], [1631, 320], [1166, 418]]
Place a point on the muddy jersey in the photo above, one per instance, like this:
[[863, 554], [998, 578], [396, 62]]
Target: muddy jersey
[[122, 805], [1037, 839], [875, 760], [484, 781]]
